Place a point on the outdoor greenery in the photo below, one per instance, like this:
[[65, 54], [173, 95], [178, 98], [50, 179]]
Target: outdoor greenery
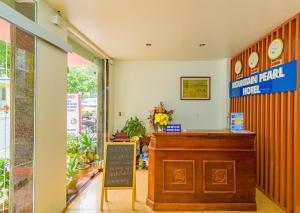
[[82, 79], [87, 143], [5, 49], [72, 145], [4, 178], [72, 167], [134, 127]]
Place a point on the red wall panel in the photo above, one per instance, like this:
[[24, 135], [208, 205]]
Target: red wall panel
[[276, 120]]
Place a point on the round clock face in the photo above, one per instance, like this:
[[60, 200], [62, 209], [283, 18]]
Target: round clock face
[[238, 67], [275, 49], [253, 60]]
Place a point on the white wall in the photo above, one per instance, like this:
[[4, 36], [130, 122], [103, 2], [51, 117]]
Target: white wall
[[50, 147], [141, 85]]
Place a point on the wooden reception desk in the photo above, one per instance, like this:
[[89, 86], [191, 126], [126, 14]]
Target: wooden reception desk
[[202, 170]]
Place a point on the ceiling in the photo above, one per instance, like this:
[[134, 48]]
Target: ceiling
[[175, 28]]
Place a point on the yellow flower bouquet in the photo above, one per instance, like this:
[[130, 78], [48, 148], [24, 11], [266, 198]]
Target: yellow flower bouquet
[[160, 117]]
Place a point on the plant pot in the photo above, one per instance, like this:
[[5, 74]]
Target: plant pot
[[5, 204], [161, 128], [73, 183], [84, 171], [97, 165]]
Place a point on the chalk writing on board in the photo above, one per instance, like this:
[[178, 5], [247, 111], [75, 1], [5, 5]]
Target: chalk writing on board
[[119, 166]]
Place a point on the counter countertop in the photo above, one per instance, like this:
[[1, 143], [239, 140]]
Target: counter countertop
[[199, 132]]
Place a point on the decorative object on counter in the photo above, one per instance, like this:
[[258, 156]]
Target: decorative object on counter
[[120, 137], [237, 121], [134, 127], [195, 88], [173, 128], [160, 117]]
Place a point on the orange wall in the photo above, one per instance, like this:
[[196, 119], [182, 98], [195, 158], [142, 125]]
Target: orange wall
[[276, 120]]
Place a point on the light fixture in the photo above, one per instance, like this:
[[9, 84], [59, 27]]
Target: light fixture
[[202, 44], [148, 44]]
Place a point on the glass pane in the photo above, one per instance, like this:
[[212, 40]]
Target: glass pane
[[81, 122], [5, 70], [23, 96]]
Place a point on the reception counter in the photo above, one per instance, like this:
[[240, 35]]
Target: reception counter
[[202, 170]]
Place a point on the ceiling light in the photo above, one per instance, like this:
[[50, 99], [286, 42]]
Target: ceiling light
[[148, 45], [202, 44]]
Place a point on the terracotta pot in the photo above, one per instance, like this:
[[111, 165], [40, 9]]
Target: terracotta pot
[[5, 210], [73, 182], [83, 172]]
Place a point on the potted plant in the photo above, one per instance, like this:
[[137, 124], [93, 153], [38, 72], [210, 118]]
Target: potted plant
[[160, 117], [134, 127], [84, 165], [87, 146], [72, 172], [73, 145]]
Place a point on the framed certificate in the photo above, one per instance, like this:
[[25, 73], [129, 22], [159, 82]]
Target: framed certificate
[[195, 88]]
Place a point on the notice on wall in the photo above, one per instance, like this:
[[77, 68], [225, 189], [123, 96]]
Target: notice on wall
[[73, 114], [281, 78], [237, 121]]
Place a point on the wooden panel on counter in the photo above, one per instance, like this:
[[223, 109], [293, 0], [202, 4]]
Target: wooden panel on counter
[[202, 170]]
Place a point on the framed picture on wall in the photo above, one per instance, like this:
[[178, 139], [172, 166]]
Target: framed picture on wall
[[195, 88]]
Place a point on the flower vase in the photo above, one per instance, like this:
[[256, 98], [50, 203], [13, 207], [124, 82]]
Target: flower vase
[[161, 129]]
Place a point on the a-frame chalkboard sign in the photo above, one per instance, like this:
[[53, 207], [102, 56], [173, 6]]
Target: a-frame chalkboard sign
[[119, 169]]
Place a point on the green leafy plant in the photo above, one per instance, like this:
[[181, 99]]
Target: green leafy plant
[[87, 148], [81, 79], [87, 143], [73, 145], [72, 167], [134, 127], [5, 58], [4, 178]]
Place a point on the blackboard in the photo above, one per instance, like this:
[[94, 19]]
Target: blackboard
[[119, 165]]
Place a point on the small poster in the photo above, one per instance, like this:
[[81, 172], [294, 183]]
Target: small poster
[[237, 121], [73, 114]]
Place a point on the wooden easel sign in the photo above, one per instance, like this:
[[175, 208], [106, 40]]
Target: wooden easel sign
[[119, 169]]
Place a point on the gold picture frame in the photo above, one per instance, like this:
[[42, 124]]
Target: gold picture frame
[[195, 88]]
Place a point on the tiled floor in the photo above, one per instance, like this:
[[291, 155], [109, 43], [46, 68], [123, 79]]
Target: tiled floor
[[120, 201]]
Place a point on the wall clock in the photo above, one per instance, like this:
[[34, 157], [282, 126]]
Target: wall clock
[[238, 67], [253, 60], [275, 49]]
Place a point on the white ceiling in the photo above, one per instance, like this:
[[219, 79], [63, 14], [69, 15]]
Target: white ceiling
[[121, 28]]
